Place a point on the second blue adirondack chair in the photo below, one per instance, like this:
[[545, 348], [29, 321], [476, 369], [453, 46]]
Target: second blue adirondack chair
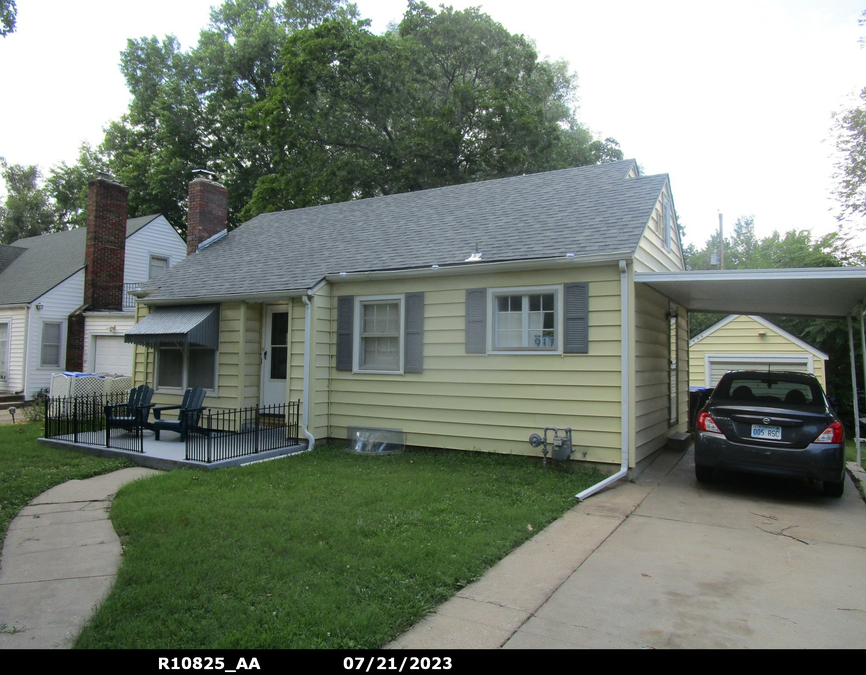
[[188, 416]]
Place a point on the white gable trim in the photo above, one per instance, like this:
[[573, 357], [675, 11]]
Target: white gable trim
[[712, 329], [766, 324]]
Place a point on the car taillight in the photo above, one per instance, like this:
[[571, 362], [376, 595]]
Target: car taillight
[[835, 433], [707, 423]]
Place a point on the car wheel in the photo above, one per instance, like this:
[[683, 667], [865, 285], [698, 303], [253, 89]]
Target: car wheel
[[834, 488], [704, 474]]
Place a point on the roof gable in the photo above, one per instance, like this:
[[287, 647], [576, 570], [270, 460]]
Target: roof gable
[[764, 323], [592, 211], [44, 261]]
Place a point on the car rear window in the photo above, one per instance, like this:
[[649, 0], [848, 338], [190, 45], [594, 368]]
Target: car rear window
[[769, 390]]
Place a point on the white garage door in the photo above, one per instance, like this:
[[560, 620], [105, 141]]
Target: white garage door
[[113, 355], [719, 365]]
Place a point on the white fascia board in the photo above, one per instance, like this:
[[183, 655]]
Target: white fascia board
[[712, 329]]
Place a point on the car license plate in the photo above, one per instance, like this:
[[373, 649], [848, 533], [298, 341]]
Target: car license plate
[[761, 431]]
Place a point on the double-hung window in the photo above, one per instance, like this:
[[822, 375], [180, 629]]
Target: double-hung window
[[52, 332], [525, 319], [380, 334], [380, 327], [158, 265]]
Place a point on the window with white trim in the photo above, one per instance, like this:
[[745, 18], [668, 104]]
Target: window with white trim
[[52, 333], [158, 265], [379, 332], [183, 366], [525, 319]]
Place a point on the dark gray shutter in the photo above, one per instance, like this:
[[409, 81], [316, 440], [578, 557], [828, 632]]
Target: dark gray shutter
[[476, 320], [413, 345], [576, 328], [345, 325]]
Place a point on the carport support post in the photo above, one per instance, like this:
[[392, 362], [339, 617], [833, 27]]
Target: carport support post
[[854, 385], [861, 310]]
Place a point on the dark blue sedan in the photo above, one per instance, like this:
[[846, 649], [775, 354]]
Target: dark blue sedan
[[773, 423]]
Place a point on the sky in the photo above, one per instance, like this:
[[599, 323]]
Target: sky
[[733, 100]]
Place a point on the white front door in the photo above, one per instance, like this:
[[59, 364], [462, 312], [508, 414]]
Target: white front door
[[275, 355]]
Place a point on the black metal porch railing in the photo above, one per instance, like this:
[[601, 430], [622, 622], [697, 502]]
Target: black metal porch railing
[[81, 419], [228, 434], [129, 300]]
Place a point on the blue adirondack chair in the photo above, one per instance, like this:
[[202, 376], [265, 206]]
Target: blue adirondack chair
[[188, 416], [131, 415]]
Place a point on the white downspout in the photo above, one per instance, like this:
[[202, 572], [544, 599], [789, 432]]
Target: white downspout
[[26, 374], [625, 430], [305, 416]]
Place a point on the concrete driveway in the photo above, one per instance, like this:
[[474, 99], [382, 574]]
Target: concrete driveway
[[746, 562]]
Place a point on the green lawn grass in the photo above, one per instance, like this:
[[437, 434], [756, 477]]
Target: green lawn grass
[[323, 550], [851, 452], [28, 469]]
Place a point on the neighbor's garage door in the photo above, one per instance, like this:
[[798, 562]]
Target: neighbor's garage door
[[113, 355], [719, 365]]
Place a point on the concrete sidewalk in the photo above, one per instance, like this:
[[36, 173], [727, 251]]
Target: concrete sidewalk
[[60, 559], [667, 563]]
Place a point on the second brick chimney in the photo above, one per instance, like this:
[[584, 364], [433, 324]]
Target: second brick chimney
[[106, 244], [208, 211]]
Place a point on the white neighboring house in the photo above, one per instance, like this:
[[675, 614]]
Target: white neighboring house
[[42, 282], [742, 342]]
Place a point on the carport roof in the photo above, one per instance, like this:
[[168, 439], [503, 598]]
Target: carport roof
[[825, 292]]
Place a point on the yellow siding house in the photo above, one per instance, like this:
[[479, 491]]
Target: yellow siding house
[[467, 317]]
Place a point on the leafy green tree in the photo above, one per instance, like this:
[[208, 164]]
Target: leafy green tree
[[795, 248], [448, 97], [190, 108], [26, 211], [67, 187], [8, 14], [850, 130]]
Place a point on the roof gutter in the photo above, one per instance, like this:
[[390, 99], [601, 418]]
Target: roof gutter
[[273, 296], [625, 429], [480, 267]]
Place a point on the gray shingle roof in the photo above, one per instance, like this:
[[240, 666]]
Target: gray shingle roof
[[8, 254], [46, 261], [588, 211]]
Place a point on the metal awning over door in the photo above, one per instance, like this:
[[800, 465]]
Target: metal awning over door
[[187, 324]]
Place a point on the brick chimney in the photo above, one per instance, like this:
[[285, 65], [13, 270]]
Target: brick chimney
[[106, 244], [104, 255], [208, 211]]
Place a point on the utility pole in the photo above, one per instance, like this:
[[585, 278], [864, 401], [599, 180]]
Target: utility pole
[[721, 243]]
